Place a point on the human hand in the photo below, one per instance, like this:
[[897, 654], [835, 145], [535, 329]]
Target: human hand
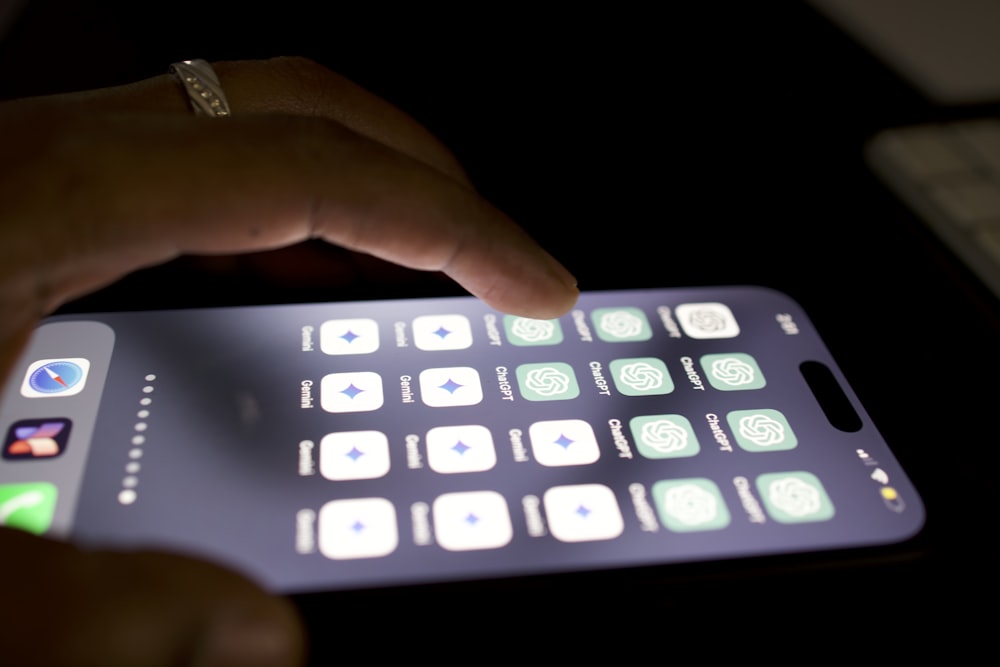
[[105, 182]]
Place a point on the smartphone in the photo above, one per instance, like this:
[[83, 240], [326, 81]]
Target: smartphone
[[377, 444]]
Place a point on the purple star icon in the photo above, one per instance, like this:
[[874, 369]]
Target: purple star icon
[[583, 511], [451, 386], [564, 442], [355, 454], [442, 332], [461, 447], [351, 391], [350, 336]]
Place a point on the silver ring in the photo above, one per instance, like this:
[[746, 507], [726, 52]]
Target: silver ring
[[202, 87]]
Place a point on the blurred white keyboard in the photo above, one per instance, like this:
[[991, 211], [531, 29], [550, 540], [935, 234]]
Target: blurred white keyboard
[[949, 173]]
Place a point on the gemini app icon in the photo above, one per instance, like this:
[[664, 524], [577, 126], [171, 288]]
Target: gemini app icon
[[354, 336], [446, 387], [442, 332], [351, 392]]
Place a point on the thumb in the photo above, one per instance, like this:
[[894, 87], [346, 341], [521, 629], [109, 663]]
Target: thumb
[[64, 606]]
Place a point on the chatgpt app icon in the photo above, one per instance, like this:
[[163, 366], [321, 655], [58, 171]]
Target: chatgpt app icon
[[761, 430], [687, 505], [794, 497], [664, 436], [646, 376], [621, 325], [732, 372], [524, 331], [553, 381], [707, 320]]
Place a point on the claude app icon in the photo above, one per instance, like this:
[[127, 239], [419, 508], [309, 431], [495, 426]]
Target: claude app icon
[[55, 377], [36, 438]]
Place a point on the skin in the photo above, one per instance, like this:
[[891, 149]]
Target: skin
[[115, 180]]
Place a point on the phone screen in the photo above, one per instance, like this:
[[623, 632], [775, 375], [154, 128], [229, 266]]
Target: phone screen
[[348, 445]]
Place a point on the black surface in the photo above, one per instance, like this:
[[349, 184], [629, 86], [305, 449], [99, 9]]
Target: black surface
[[720, 143]]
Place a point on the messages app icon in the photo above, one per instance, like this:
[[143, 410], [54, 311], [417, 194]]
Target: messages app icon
[[28, 507]]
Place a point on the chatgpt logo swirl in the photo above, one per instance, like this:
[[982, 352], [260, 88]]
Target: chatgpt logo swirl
[[762, 430], [794, 497], [692, 504], [553, 381], [732, 372], [664, 436], [641, 376], [621, 325], [525, 331]]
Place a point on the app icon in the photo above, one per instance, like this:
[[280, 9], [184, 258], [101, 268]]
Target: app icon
[[664, 436], [470, 520], [583, 513], [732, 372], [794, 497], [354, 455], [645, 376], [621, 325], [357, 528], [563, 442], [452, 449], [692, 504], [761, 430], [446, 387], [707, 320], [554, 381], [351, 392], [442, 332], [36, 438], [28, 507], [353, 336], [525, 331], [55, 377]]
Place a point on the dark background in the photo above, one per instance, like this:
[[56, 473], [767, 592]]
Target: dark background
[[708, 144]]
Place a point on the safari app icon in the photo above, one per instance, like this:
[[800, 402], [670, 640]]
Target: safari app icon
[[55, 377]]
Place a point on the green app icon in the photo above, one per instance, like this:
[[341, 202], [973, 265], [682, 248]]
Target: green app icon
[[552, 381], [525, 331], [761, 430], [687, 505], [621, 325], [644, 376], [732, 372], [28, 507], [664, 436], [794, 497]]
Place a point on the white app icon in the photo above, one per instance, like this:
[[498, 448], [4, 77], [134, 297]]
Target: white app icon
[[707, 320], [452, 449], [355, 336], [55, 377], [351, 392], [445, 387], [564, 442], [583, 513], [442, 332], [357, 528], [354, 455], [472, 520]]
